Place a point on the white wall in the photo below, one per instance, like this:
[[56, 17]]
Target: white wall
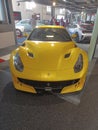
[[7, 39], [28, 13]]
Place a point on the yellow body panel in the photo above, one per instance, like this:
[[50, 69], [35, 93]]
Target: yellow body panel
[[49, 64]]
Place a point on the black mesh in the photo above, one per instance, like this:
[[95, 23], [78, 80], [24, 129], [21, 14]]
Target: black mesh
[[55, 86]]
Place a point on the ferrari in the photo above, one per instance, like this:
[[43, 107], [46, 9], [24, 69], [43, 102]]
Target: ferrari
[[49, 60]]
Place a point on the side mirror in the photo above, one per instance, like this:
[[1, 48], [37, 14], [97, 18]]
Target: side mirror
[[73, 36]]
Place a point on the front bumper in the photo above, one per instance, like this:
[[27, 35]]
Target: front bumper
[[61, 87]]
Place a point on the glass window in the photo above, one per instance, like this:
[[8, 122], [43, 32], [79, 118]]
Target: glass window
[[72, 26], [62, 11], [30, 5], [49, 34], [49, 9], [23, 22], [4, 12]]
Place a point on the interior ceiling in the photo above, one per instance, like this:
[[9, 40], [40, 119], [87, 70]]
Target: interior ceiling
[[89, 6]]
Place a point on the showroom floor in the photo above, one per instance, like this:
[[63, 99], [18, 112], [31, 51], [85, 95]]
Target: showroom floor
[[24, 111]]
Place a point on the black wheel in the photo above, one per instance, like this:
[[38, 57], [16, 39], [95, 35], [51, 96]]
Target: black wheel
[[77, 37], [18, 33]]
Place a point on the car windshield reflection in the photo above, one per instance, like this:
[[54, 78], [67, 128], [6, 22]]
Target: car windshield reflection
[[49, 34]]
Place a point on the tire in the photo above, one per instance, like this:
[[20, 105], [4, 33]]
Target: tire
[[18, 33], [77, 37]]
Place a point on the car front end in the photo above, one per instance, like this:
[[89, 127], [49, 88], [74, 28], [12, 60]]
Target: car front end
[[86, 31], [63, 75], [55, 66]]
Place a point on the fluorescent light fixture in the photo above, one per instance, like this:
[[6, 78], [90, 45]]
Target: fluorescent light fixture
[[49, 36], [30, 5]]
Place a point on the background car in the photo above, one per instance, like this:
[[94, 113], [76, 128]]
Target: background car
[[49, 60], [25, 25], [83, 31]]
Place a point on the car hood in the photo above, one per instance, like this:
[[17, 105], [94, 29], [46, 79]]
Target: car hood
[[46, 55], [18, 25]]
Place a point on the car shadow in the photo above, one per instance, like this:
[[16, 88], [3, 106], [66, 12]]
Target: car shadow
[[11, 96]]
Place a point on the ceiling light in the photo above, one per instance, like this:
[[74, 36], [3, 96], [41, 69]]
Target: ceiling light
[[83, 7], [54, 3], [82, 13]]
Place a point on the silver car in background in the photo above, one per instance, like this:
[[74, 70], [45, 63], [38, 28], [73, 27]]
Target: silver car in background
[[25, 26], [83, 31], [22, 26]]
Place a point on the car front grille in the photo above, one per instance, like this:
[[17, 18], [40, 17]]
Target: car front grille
[[56, 86]]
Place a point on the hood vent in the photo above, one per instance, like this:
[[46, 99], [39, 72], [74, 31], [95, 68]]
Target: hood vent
[[30, 54], [67, 55]]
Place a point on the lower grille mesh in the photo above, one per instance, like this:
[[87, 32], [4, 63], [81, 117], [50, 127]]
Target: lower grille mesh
[[55, 85]]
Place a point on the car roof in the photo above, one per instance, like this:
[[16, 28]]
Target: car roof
[[24, 19], [50, 26]]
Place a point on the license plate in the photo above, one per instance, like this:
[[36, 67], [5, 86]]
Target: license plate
[[48, 89]]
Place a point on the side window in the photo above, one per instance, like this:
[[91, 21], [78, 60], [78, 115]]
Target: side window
[[25, 22], [75, 26], [72, 26], [30, 22]]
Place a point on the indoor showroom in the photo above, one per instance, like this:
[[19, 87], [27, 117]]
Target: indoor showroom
[[48, 64]]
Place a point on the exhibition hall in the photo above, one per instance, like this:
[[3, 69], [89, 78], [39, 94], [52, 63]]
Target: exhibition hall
[[48, 64]]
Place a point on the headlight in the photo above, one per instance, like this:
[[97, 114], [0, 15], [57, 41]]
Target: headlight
[[79, 64], [18, 63]]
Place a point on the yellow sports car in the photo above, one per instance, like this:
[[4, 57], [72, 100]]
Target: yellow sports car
[[49, 60]]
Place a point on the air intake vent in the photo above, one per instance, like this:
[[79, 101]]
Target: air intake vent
[[67, 55], [30, 54]]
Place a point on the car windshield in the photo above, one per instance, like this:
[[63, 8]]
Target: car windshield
[[49, 34], [87, 26], [23, 22]]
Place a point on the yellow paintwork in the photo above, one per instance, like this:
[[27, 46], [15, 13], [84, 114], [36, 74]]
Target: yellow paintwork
[[49, 64]]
